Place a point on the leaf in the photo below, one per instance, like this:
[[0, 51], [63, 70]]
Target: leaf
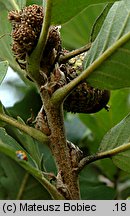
[[2, 190], [31, 2], [13, 145], [21, 3], [39, 154], [2, 193], [91, 188], [76, 32], [23, 108], [100, 122], [113, 71], [99, 21], [9, 150], [35, 191], [13, 4], [3, 70], [1, 108], [64, 10], [5, 38], [107, 169], [5, 30], [125, 192], [17, 184], [30, 144], [8, 140], [2, 124], [122, 161], [12, 177], [47, 160], [118, 136]]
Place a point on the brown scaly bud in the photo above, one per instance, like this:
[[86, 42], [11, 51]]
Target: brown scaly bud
[[41, 122], [84, 98], [27, 24], [56, 80], [52, 50], [75, 154]]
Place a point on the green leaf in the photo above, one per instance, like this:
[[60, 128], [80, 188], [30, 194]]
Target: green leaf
[[8, 140], [39, 153], [13, 146], [2, 124], [13, 4], [91, 188], [100, 122], [123, 161], [3, 70], [5, 30], [21, 3], [16, 183], [105, 170], [23, 108], [112, 47], [34, 190], [30, 144], [2, 190], [1, 108], [64, 10], [99, 21], [31, 2], [76, 32], [47, 160], [5, 38], [9, 150], [118, 136]]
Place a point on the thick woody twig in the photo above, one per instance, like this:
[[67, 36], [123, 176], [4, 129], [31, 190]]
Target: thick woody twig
[[59, 147]]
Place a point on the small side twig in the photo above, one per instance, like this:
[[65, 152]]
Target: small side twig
[[101, 155], [36, 134], [67, 56]]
